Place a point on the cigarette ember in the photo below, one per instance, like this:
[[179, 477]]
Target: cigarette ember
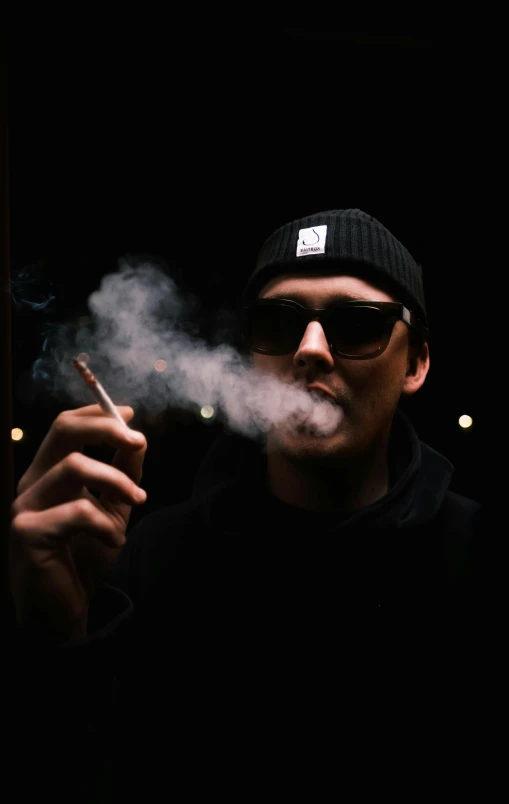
[[100, 394]]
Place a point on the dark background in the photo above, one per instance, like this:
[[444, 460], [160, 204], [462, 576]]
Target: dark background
[[192, 145]]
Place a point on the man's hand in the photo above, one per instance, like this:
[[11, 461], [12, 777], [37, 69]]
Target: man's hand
[[63, 538]]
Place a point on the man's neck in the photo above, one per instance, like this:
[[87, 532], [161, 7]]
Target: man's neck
[[349, 487]]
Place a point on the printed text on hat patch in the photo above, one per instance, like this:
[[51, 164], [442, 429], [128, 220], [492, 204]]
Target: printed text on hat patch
[[311, 241]]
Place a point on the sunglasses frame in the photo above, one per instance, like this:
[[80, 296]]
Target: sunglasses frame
[[392, 311]]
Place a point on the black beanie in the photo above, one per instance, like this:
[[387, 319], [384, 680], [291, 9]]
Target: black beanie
[[347, 235]]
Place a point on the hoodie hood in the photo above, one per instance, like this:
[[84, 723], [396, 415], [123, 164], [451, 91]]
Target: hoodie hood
[[232, 477]]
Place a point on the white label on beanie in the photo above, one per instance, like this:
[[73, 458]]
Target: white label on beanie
[[311, 241]]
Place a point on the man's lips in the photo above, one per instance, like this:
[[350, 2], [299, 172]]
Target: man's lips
[[316, 386], [317, 419]]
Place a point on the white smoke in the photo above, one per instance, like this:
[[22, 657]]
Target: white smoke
[[136, 318]]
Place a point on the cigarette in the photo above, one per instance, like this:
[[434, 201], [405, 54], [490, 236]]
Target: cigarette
[[98, 391]]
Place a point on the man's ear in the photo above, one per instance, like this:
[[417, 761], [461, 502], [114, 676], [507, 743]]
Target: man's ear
[[417, 369]]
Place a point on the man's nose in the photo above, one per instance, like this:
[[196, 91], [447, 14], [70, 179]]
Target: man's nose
[[313, 347]]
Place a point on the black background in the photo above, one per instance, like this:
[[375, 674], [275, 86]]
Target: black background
[[193, 144]]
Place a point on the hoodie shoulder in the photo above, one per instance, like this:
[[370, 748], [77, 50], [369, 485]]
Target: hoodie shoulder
[[463, 507]]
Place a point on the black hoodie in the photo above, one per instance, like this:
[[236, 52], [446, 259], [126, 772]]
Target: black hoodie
[[232, 516], [417, 542], [233, 604]]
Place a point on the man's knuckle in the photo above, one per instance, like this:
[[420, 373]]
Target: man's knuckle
[[72, 462], [84, 509], [22, 484], [16, 508], [20, 525], [61, 423]]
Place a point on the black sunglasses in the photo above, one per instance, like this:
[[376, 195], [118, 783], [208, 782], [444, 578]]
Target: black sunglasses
[[355, 329]]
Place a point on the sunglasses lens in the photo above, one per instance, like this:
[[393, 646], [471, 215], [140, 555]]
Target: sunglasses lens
[[357, 330], [275, 329]]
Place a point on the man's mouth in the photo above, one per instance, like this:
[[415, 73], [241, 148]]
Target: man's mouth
[[317, 419], [322, 392]]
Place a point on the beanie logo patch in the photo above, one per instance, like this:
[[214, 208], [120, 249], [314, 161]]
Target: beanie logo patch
[[311, 241]]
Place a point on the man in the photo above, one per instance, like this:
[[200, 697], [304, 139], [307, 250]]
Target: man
[[210, 586]]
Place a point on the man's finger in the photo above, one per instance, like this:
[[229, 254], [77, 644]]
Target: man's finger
[[70, 432], [66, 480]]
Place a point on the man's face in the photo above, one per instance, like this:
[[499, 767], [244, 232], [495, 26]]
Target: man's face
[[367, 390]]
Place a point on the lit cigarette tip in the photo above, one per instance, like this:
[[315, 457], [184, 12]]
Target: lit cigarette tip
[[100, 394], [85, 372], [80, 365]]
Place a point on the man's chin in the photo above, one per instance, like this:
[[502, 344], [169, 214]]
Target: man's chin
[[320, 423], [305, 442]]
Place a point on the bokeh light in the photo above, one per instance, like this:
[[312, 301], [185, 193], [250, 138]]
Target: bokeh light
[[207, 411], [160, 365], [16, 434], [465, 422]]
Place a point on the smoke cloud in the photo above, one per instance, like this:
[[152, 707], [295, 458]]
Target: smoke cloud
[[137, 325]]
